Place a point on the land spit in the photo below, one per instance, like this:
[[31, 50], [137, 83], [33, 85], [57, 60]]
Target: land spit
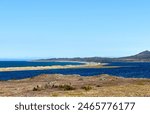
[[86, 65]]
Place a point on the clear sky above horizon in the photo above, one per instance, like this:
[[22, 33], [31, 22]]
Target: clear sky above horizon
[[73, 28]]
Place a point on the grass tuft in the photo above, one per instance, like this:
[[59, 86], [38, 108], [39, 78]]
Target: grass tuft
[[66, 87], [86, 88]]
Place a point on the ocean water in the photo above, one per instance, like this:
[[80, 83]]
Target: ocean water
[[126, 69], [4, 64]]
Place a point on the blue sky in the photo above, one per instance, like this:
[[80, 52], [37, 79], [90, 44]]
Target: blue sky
[[73, 28]]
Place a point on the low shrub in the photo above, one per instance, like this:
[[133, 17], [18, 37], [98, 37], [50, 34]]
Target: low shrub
[[37, 88], [66, 87], [86, 88], [80, 79]]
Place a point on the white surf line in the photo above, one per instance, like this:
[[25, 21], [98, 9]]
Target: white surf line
[[49, 67]]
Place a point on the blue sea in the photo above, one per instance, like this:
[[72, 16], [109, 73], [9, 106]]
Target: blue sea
[[125, 69], [5, 64]]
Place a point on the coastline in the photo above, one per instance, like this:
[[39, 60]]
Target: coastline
[[85, 65], [59, 85]]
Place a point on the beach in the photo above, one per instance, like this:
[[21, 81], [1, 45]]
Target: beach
[[85, 65]]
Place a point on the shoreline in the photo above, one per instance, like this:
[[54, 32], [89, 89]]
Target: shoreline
[[86, 65]]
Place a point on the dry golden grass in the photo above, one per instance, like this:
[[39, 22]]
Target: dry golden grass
[[73, 85]]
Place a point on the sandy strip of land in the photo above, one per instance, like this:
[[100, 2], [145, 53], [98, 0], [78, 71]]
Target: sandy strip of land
[[57, 85], [87, 65]]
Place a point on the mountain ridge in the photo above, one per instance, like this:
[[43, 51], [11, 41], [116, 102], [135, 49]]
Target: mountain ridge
[[140, 57]]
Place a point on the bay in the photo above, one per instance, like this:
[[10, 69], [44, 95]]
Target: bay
[[125, 69]]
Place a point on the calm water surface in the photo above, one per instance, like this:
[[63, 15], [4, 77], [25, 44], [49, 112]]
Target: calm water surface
[[126, 69]]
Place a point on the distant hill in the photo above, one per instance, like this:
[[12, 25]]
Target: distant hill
[[141, 57]]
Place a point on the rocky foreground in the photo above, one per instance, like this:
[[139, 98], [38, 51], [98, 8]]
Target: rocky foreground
[[74, 85]]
